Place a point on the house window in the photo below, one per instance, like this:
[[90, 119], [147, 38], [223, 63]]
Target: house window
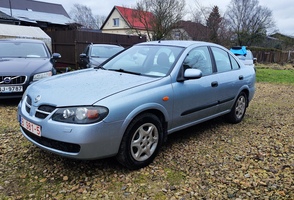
[[116, 22], [177, 34]]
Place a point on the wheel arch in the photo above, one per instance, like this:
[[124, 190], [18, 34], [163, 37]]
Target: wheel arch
[[157, 110]]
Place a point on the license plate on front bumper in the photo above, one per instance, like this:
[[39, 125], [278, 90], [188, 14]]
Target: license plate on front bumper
[[31, 127], [9, 89]]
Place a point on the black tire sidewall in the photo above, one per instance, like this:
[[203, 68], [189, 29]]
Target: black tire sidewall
[[124, 155], [231, 117]]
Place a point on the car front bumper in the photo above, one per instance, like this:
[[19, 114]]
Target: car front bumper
[[80, 141]]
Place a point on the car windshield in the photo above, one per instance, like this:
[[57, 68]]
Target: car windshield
[[104, 51], [22, 50], [145, 60]]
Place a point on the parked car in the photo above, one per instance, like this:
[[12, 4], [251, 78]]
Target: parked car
[[126, 108], [95, 54], [22, 62], [245, 55]]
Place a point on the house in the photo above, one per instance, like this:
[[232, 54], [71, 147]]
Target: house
[[34, 13], [188, 30], [127, 21], [281, 41]]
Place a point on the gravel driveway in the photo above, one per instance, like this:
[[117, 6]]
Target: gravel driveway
[[214, 160]]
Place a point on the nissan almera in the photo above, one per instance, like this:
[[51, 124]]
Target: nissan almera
[[129, 105]]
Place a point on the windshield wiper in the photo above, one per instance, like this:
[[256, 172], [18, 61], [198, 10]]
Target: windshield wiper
[[125, 71], [99, 67]]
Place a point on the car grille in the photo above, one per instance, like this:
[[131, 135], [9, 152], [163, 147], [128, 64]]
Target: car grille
[[42, 112], [62, 146], [28, 104], [13, 80]]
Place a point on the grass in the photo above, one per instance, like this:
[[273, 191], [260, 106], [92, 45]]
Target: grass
[[274, 74]]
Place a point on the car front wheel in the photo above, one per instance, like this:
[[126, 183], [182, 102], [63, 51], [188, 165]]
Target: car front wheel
[[141, 142], [238, 111]]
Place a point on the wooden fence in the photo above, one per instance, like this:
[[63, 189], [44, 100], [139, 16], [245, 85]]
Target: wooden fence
[[71, 43], [280, 57]]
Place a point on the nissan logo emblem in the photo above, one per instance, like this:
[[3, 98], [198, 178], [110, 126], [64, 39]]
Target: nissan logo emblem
[[38, 98], [7, 79]]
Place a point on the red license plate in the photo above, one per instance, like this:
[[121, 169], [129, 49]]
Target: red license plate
[[33, 128]]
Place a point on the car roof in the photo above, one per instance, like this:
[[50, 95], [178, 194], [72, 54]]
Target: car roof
[[22, 40], [180, 43]]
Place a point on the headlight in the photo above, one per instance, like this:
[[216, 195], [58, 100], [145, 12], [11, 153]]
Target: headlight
[[42, 75], [80, 115]]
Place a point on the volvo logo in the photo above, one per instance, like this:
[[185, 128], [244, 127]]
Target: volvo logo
[[37, 98], [7, 80]]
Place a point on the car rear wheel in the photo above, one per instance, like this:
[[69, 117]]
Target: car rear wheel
[[238, 111], [141, 142]]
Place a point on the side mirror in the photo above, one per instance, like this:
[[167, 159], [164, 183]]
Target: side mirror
[[56, 56], [192, 74], [83, 55]]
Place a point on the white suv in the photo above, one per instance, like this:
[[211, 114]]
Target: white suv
[[244, 54]]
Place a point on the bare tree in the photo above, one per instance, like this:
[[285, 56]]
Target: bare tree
[[83, 15], [199, 12], [165, 15], [100, 19], [225, 34], [249, 21]]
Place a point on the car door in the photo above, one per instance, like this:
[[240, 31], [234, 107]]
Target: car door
[[229, 76], [195, 99]]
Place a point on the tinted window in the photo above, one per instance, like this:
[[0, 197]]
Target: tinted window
[[222, 60], [199, 58]]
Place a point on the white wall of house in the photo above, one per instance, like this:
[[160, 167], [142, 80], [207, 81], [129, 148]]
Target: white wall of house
[[110, 27], [122, 28]]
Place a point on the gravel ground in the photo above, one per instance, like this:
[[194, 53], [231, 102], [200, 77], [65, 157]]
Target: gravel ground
[[214, 160]]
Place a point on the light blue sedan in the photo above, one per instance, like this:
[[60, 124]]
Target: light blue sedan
[[129, 105]]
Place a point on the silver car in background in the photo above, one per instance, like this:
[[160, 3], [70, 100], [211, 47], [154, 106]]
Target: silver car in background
[[128, 106], [95, 54]]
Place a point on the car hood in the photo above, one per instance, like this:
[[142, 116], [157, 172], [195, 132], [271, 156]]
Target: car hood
[[83, 87], [21, 66]]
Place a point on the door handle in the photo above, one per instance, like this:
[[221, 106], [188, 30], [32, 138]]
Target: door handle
[[214, 84], [241, 77]]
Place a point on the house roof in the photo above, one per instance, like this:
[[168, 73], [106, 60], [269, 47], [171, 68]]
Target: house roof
[[195, 30], [131, 17], [36, 6], [5, 16], [35, 11]]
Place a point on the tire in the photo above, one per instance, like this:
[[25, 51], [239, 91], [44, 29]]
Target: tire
[[141, 142], [238, 111]]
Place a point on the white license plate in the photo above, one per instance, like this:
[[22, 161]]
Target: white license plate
[[33, 128], [9, 89]]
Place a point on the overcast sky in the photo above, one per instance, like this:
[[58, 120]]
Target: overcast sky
[[283, 10]]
